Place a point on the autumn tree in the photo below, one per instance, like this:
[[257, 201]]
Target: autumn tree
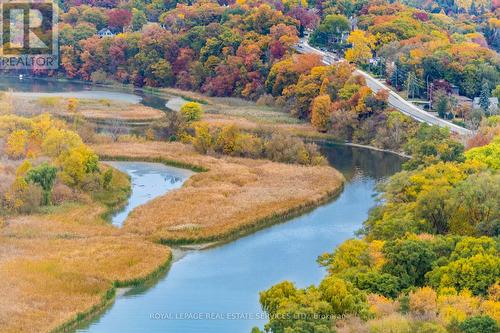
[[76, 163], [17, 144], [191, 111], [321, 112], [362, 45], [119, 18]]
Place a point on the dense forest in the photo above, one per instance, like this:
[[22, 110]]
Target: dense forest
[[427, 259], [247, 49]]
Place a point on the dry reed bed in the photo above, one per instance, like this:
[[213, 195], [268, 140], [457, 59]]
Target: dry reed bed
[[61, 268], [235, 196], [90, 109], [58, 268], [130, 112]]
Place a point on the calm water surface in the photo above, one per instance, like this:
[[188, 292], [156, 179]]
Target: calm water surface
[[148, 180], [39, 87], [226, 280]]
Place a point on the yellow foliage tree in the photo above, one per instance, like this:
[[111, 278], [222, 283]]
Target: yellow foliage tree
[[191, 111], [362, 44], [76, 163], [17, 144], [58, 141], [321, 112]]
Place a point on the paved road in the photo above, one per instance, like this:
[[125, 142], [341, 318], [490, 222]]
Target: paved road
[[395, 100]]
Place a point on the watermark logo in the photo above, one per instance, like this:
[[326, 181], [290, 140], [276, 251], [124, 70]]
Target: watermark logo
[[28, 38]]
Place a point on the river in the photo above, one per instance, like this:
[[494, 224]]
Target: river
[[148, 181], [217, 290], [41, 87], [223, 283]]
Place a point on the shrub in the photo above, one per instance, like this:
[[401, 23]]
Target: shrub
[[62, 193], [72, 105], [202, 140], [423, 303], [99, 76], [287, 149], [107, 177], [430, 328], [226, 140], [43, 175], [29, 199], [191, 111], [479, 324], [48, 102], [394, 323]]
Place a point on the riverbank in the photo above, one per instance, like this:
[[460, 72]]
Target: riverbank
[[62, 265], [235, 196]]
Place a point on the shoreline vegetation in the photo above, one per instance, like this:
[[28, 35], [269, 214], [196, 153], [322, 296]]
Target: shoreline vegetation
[[70, 260], [218, 112], [267, 192]]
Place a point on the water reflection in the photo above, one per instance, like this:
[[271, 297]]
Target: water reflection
[[227, 279], [81, 90], [149, 180], [352, 161]]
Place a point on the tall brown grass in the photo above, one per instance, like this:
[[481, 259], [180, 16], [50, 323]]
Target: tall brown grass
[[59, 267], [235, 195]]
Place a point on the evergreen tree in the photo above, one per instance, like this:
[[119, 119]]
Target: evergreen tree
[[484, 98]]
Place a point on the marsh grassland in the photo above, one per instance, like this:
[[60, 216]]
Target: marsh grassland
[[233, 197], [61, 266]]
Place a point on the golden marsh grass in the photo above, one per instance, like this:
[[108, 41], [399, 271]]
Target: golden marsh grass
[[233, 197], [60, 268]]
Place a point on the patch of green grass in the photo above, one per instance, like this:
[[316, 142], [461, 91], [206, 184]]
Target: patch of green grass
[[118, 191]]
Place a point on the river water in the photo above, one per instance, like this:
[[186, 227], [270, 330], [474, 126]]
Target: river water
[[148, 181], [217, 290], [40, 87]]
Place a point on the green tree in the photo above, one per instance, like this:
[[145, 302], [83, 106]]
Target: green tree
[[378, 283], [430, 145], [138, 19], [489, 154], [294, 310], [343, 297], [45, 176], [476, 274], [484, 98], [474, 205], [409, 260], [330, 31], [479, 324], [353, 253], [442, 104], [496, 92]]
